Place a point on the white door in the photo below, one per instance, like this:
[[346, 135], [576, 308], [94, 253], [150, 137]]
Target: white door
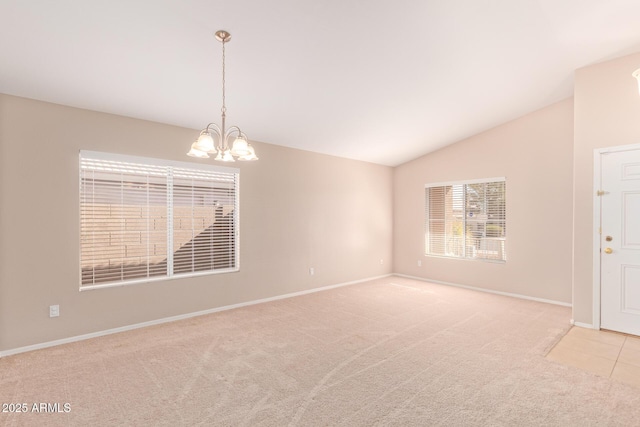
[[620, 242]]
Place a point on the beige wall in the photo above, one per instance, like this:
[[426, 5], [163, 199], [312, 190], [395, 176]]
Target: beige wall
[[534, 153], [607, 113], [297, 210]]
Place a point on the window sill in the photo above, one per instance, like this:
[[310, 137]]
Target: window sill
[[155, 279]]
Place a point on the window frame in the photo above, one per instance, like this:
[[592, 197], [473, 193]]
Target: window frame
[[169, 164], [427, 220]]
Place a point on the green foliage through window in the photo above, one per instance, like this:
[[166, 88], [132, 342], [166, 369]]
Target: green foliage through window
[[466, 220]]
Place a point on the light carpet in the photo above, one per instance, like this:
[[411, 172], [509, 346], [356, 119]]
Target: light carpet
[[390, 352]]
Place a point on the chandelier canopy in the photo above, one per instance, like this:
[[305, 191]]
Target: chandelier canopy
[[216, 140]]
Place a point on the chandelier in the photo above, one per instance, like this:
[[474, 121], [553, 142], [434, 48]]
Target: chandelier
[[214, 139]]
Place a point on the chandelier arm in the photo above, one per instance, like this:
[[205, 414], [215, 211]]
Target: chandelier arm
[[213, 128], [230, 132], [233, 129]]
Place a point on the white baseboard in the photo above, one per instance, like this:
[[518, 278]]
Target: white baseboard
[[179, 317], [582, 325], [473, 288]]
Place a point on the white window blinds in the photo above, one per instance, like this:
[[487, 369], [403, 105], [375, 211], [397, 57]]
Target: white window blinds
[[466, 220], [145, 219], [204, 205]]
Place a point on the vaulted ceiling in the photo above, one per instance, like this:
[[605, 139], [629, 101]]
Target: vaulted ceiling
[[381, 81]]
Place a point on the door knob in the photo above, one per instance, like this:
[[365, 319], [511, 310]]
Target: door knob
[[608, 250]]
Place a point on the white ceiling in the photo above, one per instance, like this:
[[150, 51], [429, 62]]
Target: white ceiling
[[376, 80]]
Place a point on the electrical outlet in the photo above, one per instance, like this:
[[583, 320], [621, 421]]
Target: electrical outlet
[[54, 310], [419, 263], [311, 271], [381, 261]]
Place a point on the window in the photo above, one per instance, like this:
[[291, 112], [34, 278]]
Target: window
[[466, 219], [146, 219]]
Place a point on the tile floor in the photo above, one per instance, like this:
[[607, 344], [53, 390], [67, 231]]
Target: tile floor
[[608, 354]]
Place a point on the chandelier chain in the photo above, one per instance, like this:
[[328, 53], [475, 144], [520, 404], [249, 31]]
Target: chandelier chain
[[224, 107]]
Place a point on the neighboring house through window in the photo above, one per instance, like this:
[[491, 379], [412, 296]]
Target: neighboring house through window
[[145, 219], [466, 219]]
